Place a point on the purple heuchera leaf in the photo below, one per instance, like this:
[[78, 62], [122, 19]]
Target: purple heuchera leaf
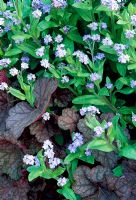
[[10, 160], [10, 189], [83, 186], [22, 114]]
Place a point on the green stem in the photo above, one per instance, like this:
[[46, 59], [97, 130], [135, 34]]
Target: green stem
[[110, 105], [113, 25], [72, 90]]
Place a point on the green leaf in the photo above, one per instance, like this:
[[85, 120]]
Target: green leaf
[[59, 139], [131, 66], [102, 8], [120, 82], [21, 36], [91, 122], [127, 110], [26, 8], [119, 132], [68, 193], [13, 52], [122, 22], [107, 49], [55, 73], [34, 31], [75, 36], [89, 99], [83, 6], [43, 25], [57, 172], [2, 5], [129, 152], [69, 44], [16, 93], [19, 8], [71, 157], [103, 92], [72, 168], [127, 90], [88, 159], [28, 48], [121, 69], [118, 171], [41, 159], [100, 144], [35, 172]]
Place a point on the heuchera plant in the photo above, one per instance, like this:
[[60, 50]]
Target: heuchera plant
[[87, 47]]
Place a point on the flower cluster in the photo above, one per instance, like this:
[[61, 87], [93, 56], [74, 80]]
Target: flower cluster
[[96, 38], [77, 142], [46, 116], [90, 109], [37, 13], [133, 20], [133, 118], [41, 6], [3, 86], [48, 39], [40, 51], [65, 79], [95, 76], [88, 152], [5, 62], [58, 38], [99, 129], [60, 51], [107, 41], [99, 56], [62, 181], [130, 34], [112, 4], [119, 48], [49, 153], [24, 65], [31, 160], [133, 83], [109, 85], [122, 58], [83, 58], [45, 63], [31, 77], [59, 3], [13, 71], [94, 26]]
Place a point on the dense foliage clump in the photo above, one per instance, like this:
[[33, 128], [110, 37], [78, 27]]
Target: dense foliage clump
[[67, 99]]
